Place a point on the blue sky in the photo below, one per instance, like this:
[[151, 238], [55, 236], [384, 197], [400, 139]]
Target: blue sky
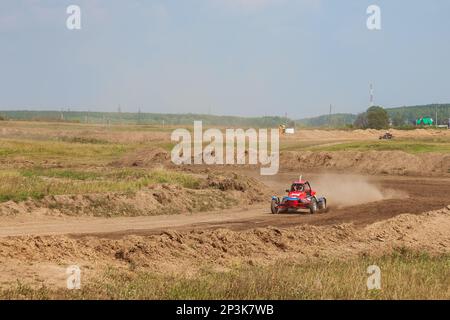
[[241, 57]]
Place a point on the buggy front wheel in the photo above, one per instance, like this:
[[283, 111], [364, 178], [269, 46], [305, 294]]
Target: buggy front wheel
[[274, 206], [313, 207], [323, 205]]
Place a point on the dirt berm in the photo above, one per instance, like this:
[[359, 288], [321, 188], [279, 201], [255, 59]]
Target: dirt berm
[[216, 191], [144, 158], [368, 162], [190, 251]]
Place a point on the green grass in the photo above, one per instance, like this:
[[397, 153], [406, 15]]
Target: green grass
[[168, 146], [305, 145], [404, 275], [83, 140], [72, 174], [70, 152], [416, 146], [19, 185]]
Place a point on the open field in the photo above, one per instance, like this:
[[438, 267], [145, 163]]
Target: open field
[[416, 146], [107, 198]]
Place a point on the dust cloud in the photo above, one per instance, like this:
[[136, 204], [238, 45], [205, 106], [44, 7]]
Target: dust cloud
[[349, 190]]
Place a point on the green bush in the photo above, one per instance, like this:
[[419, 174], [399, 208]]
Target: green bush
[[374, 118]]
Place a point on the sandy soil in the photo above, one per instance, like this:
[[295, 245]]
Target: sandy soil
[[390, 207], [41, 259], [356, 199], [369, 162], [368, 134], [24, 129]]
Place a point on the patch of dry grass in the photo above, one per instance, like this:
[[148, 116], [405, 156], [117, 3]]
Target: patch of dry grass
[[404, 275], [19, 185], [63, 152]]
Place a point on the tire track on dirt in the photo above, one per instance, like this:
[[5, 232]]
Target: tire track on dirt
[[422, 195]]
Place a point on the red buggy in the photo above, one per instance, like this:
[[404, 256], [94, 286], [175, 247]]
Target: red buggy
[[300, 196]]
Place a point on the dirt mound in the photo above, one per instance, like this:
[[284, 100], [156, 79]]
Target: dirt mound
[[371, 162], [43, 259], [188, 251], [144, 158], [231, 182], [359, 134], [215, 192]]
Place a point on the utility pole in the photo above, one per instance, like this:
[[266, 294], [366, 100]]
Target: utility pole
[[436, 116], [371, 95], [329, 116], [139, 115]]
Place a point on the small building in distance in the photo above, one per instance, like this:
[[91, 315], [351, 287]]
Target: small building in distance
[[425, 121]]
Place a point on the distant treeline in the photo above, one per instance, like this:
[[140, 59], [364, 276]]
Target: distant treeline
[[399, 116], [334, 120], [409, 115], [144, 118]]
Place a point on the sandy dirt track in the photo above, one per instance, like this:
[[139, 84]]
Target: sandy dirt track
[[25, 225], [353, 199]]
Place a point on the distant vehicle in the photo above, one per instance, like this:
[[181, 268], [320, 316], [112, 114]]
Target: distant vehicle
[[300, 196], [386, 136]]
